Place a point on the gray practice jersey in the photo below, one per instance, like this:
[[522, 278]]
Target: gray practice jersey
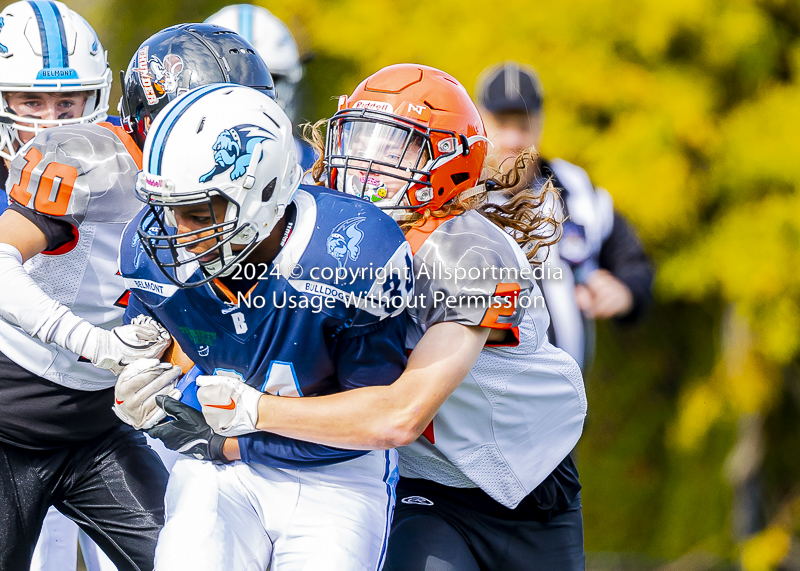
[[83, 175], [520, 410]]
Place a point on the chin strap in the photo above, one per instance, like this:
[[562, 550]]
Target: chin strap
[[474, 191]]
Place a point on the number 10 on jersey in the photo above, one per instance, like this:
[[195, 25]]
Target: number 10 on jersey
[[53, 190]]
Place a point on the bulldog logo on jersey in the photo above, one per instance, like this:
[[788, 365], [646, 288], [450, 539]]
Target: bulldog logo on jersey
[[234, 147], [343, 242]]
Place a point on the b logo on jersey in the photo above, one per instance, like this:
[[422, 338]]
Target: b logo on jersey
[[343, 242], [234, 147]]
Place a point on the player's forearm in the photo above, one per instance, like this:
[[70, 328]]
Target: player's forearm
[[387, 416], [24, 304], [368, 418]]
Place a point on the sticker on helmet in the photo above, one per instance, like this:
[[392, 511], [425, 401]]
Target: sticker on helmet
[[144, 75], [166, 74], [374, 189], [158, 78], [234, 147]]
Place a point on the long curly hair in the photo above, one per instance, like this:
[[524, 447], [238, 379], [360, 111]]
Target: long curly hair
[[507, 198]]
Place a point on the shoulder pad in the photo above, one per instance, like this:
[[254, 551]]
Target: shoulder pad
[[62, 168], [353, 248], [462, 267]]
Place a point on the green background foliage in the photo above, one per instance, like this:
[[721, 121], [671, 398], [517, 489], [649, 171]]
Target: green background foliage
[[688, 111]]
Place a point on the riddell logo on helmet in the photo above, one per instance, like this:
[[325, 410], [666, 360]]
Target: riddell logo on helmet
[[374, 106], [157, 183]]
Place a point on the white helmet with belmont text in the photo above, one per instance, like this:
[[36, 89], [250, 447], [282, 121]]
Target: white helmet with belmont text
[[217, 140], [274, 43], [46, 47]]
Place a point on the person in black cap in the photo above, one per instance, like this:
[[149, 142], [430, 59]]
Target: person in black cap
[[605, 271]]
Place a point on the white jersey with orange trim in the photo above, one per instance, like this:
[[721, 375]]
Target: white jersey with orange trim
[[83, 175], [521, 408]]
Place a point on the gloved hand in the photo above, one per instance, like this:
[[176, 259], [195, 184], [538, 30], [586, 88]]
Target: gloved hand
[[187, 432], [230, 406], [137, 388], [143, 338]]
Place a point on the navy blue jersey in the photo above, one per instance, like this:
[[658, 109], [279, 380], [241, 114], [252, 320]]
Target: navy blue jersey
[[326, 316]]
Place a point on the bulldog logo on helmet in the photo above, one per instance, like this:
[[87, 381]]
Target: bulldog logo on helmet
[[343, 242], [234, 147], [3, 48]]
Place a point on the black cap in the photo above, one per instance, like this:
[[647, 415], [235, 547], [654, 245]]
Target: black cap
[[510, 86]]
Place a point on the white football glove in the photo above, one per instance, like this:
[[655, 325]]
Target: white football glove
[[229, 405], [137, 388], [143, 338]]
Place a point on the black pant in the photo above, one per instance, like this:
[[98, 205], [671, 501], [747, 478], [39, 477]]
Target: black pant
[[438, 528], [111, 486]]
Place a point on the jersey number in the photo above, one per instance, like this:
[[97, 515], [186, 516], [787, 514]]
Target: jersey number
[[501, 314], [281, 380], [54, 189]]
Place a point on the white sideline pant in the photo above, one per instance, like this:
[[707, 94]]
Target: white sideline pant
[[57, 548], [248, 517], [168, 457]]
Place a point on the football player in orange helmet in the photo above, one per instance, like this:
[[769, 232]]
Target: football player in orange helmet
[[408, 138], [487, 410]]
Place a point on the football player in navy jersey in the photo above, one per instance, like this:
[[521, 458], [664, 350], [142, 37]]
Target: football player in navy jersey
[[266, 286], [487, 410]]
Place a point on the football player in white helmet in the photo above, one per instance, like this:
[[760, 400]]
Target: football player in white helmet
[[71, 189], [53, 71], [240, 262], [33, 96], [61, 79], [275, 43]]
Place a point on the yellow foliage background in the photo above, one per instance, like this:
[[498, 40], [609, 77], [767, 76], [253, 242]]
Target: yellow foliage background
[[688, 111]]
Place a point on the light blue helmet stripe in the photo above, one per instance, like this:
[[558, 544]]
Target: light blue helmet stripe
[[168, 122], [246, 22], [51, 30]]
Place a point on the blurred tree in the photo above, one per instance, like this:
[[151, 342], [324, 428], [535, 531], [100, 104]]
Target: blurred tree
[[687, 111]]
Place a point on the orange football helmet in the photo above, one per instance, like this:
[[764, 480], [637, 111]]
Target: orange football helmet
[[409, 137]]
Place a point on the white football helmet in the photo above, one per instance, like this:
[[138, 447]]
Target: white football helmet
[[217, 140], [46, 47], [273, 42]]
